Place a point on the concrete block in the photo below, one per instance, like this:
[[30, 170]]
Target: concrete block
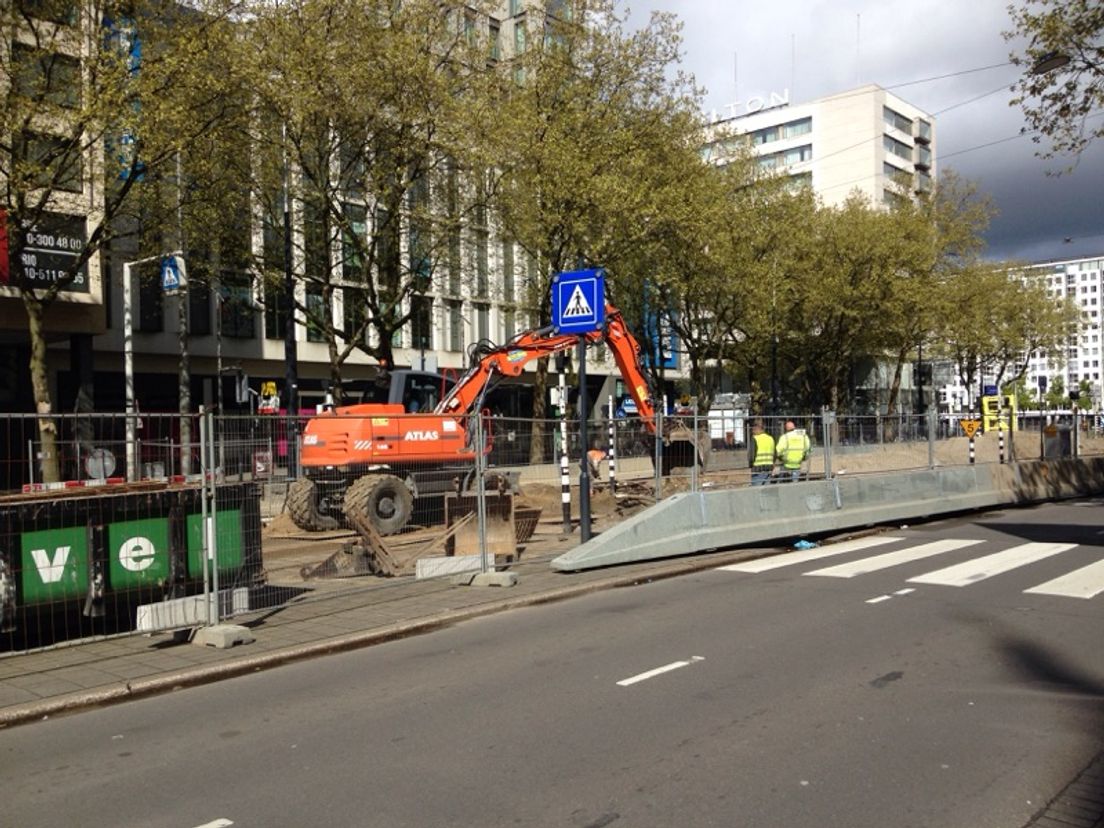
[[694, 522], [222, 636], [495, 579]]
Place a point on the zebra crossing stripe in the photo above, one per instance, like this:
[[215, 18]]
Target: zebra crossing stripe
[[1086, 582], [979, 569], [791, 558], [884, 561]]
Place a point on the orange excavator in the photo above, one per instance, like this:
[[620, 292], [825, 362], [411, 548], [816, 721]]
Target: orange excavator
[[376, 459]]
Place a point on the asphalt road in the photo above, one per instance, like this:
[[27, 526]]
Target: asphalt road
[[873, 693]]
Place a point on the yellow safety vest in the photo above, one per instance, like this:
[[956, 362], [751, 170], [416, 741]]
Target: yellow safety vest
[[764, 450], [792, 448]]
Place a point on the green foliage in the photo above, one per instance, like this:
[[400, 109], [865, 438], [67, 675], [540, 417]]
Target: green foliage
[[1026, 396], [1058, 103], [1055, 395], [85, 126]]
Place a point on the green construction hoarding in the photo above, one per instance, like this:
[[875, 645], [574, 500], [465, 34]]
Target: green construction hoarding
[[149, 544]]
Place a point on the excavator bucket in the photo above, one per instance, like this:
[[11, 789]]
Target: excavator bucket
[[501, 532], [682, 448]]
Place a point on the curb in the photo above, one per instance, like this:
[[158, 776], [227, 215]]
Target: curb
[[191, 677]]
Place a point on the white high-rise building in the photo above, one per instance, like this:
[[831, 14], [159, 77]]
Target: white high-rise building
[[864, 140], [1081, 280]]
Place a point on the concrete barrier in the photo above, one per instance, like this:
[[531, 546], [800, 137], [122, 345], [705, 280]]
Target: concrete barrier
[[702, 521]]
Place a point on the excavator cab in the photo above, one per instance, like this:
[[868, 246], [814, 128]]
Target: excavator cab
[[418, 391]]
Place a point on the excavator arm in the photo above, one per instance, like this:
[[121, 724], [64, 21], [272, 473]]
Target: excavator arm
[[510, 360]]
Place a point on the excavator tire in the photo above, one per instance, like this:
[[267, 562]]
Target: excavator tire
[[384, 499], [302, 506]]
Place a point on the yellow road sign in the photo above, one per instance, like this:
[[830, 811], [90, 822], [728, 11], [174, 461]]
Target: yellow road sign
[[970, 427]]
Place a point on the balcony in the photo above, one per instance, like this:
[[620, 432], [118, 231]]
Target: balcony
[[922, 131], [923, 158]]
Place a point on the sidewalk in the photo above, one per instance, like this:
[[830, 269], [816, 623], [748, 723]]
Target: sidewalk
[[354, 613]]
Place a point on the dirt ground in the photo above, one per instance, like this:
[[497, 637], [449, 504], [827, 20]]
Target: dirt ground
[[288, 550]]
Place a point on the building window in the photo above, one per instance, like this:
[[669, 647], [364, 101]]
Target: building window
[[895, 174], [519, 37], [799, 154], [896, 120], [788, 157], [150, 301], [765, 135], [892, 198], [199, 309], [352, 242], [455, 326], [316, 310], [482, 322], [795, 128], [483, 240], [236, 308], [452, 210], [45, 77], [898, 148], [508, 271], [493, 48], [276, 311], [55, 11], [421, 322], [799, 181], [50, 162], [560, 9]]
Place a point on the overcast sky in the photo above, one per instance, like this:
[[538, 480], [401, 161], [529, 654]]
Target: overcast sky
[[813, 48]]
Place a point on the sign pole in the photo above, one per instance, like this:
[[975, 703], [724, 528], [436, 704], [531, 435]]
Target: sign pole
[[128, 378], [579, 307], [584, 447], [565, 463]]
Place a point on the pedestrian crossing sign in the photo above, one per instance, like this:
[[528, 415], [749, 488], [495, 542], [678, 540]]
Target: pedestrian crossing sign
[[970, 427], [172, 273], [579, 301]]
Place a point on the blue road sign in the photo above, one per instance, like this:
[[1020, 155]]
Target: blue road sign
[[170, 273], [579, 301]]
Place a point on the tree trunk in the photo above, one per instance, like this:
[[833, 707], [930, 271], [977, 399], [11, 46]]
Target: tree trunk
[[336, 387], [40, 384], [540, 412]]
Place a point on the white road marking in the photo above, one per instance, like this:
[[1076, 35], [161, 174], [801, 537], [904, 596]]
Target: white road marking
[[879, 599], [912, 553], [658, 671], [1086, 582], [979, 569], [790, 558], [904, 591], [218, 823]]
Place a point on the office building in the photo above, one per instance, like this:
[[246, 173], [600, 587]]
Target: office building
[[1080, 280], [864, 140]]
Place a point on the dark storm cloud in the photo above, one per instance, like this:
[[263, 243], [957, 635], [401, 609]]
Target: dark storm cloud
[[815, 48]]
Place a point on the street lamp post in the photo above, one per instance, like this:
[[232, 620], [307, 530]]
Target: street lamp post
[[291, 355], [128, 366]]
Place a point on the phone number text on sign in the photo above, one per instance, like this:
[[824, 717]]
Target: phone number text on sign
[[50, 251]]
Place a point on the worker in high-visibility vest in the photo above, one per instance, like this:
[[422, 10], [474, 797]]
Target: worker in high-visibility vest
[[792, 449], [760, 455]]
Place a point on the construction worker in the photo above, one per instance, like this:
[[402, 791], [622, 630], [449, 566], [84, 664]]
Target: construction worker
[[792, 449], [760, 455], [594, 464]]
